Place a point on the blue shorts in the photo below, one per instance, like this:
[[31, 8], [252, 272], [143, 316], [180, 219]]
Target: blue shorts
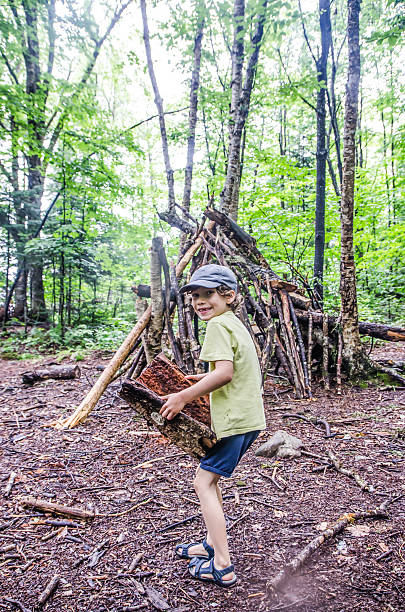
[[223, 458]]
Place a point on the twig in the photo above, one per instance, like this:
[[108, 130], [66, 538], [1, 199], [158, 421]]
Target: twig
[[49, 590], [142, 503], [17, 603], [360, 481], [290, 568], [10, 484], [273, 480], [189, 518], [238, 520]]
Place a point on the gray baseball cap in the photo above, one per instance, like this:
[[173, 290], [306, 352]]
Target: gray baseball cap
[[211, 276]]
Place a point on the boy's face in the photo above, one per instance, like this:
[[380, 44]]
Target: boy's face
[[207, 303]]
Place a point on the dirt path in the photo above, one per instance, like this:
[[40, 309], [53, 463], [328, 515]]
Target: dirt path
[[103, 466]]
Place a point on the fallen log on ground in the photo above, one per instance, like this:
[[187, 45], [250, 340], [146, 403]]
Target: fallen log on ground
[[45, 506], [375, 330], [63, 372], [190, 435]]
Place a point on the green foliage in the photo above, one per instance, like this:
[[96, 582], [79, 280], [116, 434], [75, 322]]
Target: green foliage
[[110, 177]]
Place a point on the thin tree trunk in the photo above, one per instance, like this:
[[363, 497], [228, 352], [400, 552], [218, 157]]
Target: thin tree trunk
[[349, 312], [230, 192], [159, 106], [154, 339], [192, 116], [321, 150]]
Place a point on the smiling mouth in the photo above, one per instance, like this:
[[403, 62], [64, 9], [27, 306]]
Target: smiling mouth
[[204, 310]]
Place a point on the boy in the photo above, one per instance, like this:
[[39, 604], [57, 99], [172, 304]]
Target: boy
[[237, 415]]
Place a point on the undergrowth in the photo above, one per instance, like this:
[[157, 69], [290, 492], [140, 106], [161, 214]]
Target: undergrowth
[[76, 342]]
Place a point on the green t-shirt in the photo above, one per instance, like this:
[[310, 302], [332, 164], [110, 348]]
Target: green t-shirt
[[237, 407]]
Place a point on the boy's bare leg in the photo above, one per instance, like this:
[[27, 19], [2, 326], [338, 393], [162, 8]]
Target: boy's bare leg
[[221, 501], [210, 497], [199, 549]]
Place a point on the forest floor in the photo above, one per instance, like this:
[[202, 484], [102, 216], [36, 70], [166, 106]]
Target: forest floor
[[140, 485]]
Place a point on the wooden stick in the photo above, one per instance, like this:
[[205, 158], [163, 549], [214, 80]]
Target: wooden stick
[[280, 353], [301, 345], [49, 590], [92, 397], [288, 570], [10, 483], [184, 342], [310, 345], [325, 353], [138, 357], [339, 364], [287, 320], [17, 604], [284, 336], [360, 481], [45, 506]]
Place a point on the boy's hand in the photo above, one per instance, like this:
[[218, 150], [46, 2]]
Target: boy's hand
[[172, 406]]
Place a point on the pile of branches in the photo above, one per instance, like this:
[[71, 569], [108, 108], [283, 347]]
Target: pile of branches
[[288, 328], [291, 334]]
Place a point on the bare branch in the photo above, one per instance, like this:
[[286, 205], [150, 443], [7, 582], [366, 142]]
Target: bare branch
[[86, 74], [293, 86], [305, 33], [9, 67]]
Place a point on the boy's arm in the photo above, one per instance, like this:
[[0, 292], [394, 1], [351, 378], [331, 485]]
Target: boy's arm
[[213, 380]]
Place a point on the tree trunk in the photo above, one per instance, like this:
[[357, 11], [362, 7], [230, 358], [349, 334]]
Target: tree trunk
[[353, 357], [20, 294], [154, 339], [192, 117], [230, 192], [321, 151], [159, 106]]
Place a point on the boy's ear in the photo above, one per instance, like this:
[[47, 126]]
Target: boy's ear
[[231, 298]]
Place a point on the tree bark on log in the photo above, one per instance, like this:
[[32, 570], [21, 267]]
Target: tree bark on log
[[56, 372], [164, 377], [190, 435]]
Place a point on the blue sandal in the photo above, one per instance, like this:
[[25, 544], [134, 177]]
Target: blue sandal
[[217, 575], [182, 551]]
